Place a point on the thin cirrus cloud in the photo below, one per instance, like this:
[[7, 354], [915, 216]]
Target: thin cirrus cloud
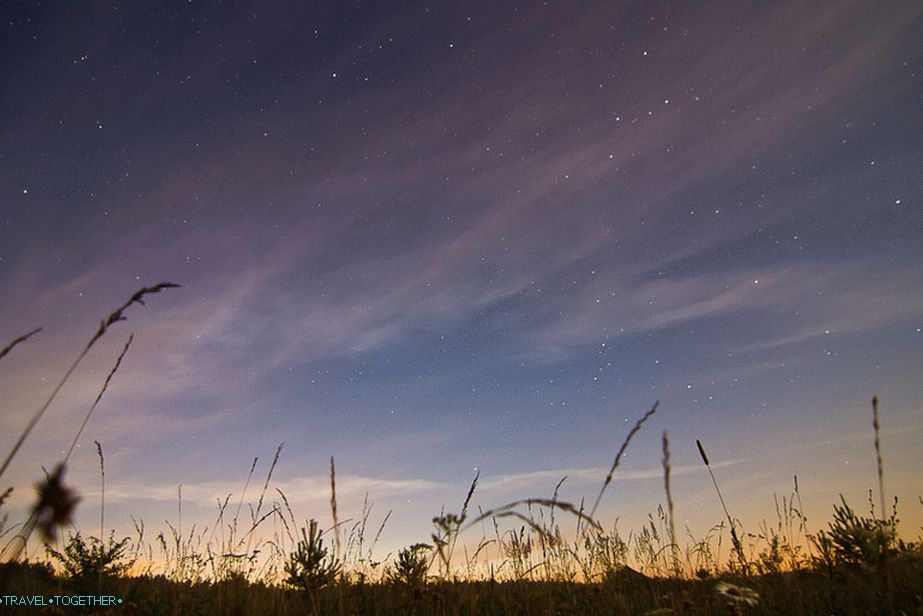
[[544, 181], [825, 296], [420, 283], [586, 476], [315, 489], [298, 490]]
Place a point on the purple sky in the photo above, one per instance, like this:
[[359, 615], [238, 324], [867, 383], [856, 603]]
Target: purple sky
[[427, 239]]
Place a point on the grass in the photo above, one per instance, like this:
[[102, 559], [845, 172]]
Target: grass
[[810, 591], [856, 565], [263, 561], [56, 501]]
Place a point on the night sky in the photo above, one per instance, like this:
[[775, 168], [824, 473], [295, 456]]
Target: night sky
[[433, 238]]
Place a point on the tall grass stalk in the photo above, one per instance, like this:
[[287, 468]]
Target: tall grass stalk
[[674, 549], [509, 511], [272, 467], [881, 480], [22, 338], [336, 533], [738, 547], [102, 491], [29, 525], [333, 508], [448, 527], [240, 503], [618, 456], [99, 396], [179, 522], [114, 317]]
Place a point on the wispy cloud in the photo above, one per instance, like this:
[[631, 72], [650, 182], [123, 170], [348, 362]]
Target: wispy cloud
[[547, 479], [803, 300], [311, 490]]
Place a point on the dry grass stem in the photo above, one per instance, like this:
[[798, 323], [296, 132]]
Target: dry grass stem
[[881, 479], [666, 484], [114, 317], [22, 338], [738, 547], [99, 396], [102, 492], [507, 510], [618, 456], [240, 503], [333, 507]]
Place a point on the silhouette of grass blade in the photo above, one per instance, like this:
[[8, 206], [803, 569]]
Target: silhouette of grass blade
[[618, 456], [535, 526], [240, 503], [102, 493], [22, 338], [702, 453], [738, 547], [272, 467], [114, 317], [333, 507], [137, 298], [474, 485], [670, 518], [540, 502], [99, 396], [881, 480]]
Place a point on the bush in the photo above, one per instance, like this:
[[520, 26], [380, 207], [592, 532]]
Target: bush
[[411, 566], [852, 539], [309, 567], [91, 558]]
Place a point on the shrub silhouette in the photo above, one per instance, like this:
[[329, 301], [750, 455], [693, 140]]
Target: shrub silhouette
[[84, 559], [411, 566], [852, 539], [309, 567]]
